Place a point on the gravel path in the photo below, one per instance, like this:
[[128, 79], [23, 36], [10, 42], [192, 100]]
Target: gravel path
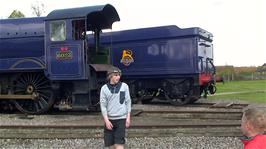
[[132, 143]]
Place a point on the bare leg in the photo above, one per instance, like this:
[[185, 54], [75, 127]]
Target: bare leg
[[119, 146], [111, 147]]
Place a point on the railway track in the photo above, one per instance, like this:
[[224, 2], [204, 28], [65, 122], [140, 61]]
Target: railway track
[[147, 121], [75, 132]]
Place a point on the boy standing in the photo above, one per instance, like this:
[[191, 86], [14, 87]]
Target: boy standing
[[115, 104]]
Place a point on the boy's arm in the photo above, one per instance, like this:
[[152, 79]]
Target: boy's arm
[[128, 104], [103, 105], [128, 120], [128, 100]]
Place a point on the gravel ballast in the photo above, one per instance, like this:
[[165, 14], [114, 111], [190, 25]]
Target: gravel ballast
[[134, 143]]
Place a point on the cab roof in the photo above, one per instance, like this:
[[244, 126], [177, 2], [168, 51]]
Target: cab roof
[[101, 16]]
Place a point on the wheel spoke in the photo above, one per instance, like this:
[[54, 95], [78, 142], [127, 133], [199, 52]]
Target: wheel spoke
[[46, 97], [44, 92], [43, 103], [27, 78], [42, 83], [43, 87], [30, 78], [40, 80], [36, 106], [22, 80], [34, 80]]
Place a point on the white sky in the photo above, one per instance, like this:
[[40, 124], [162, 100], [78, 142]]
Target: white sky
[[238, 26]]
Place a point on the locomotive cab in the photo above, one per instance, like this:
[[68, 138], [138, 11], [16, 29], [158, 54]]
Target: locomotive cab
[[68, 54], [77, 66]]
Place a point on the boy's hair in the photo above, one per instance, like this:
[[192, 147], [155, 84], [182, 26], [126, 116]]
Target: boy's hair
[[111, 71], [257, 118]]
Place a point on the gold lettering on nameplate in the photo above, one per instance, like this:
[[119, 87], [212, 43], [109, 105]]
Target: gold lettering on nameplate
[[64, 55]]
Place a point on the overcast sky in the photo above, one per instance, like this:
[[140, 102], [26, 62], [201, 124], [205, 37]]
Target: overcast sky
[[238, 26]]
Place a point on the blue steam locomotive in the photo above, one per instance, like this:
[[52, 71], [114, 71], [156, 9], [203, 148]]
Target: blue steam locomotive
[[61, 60]]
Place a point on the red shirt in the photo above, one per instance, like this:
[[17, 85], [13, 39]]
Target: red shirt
[[257, 142]]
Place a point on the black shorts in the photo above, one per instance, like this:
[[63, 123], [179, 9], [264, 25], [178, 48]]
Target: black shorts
[[117, 134]]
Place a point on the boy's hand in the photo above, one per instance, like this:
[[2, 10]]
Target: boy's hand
[[108, 125], [128, 121]]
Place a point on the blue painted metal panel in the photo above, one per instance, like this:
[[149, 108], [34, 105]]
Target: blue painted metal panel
[[65, 62], [22, 64], [152, 33], [166, 50], [22, 47], [22, 44], [161, 57], [22, 38], [21, 27]]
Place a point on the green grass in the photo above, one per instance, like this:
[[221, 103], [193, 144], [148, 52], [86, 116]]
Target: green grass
[[251, 91]]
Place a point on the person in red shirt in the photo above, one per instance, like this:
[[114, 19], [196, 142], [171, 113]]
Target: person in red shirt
[[253, 127]]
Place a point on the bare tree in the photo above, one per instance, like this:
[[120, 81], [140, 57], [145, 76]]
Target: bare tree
[[38, 8]]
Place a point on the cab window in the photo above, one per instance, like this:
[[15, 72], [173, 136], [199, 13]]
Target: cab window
[[58, 30], [78, 31]]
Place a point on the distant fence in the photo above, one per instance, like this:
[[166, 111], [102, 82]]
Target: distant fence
[[251, 76]]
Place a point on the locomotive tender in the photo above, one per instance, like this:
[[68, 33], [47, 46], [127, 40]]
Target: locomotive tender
[[51, 62], [166, 62]]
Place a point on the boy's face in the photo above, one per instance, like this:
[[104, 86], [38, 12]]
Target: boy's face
[[115, 78], [246, 126]]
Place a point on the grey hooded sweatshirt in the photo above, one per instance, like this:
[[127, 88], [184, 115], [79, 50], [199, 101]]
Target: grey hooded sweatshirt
[[115, 100]]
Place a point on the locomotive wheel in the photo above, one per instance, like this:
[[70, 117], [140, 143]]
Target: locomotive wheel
[[192, 100], [177, 101], [146, 100], [135, 100], [33, 84]]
